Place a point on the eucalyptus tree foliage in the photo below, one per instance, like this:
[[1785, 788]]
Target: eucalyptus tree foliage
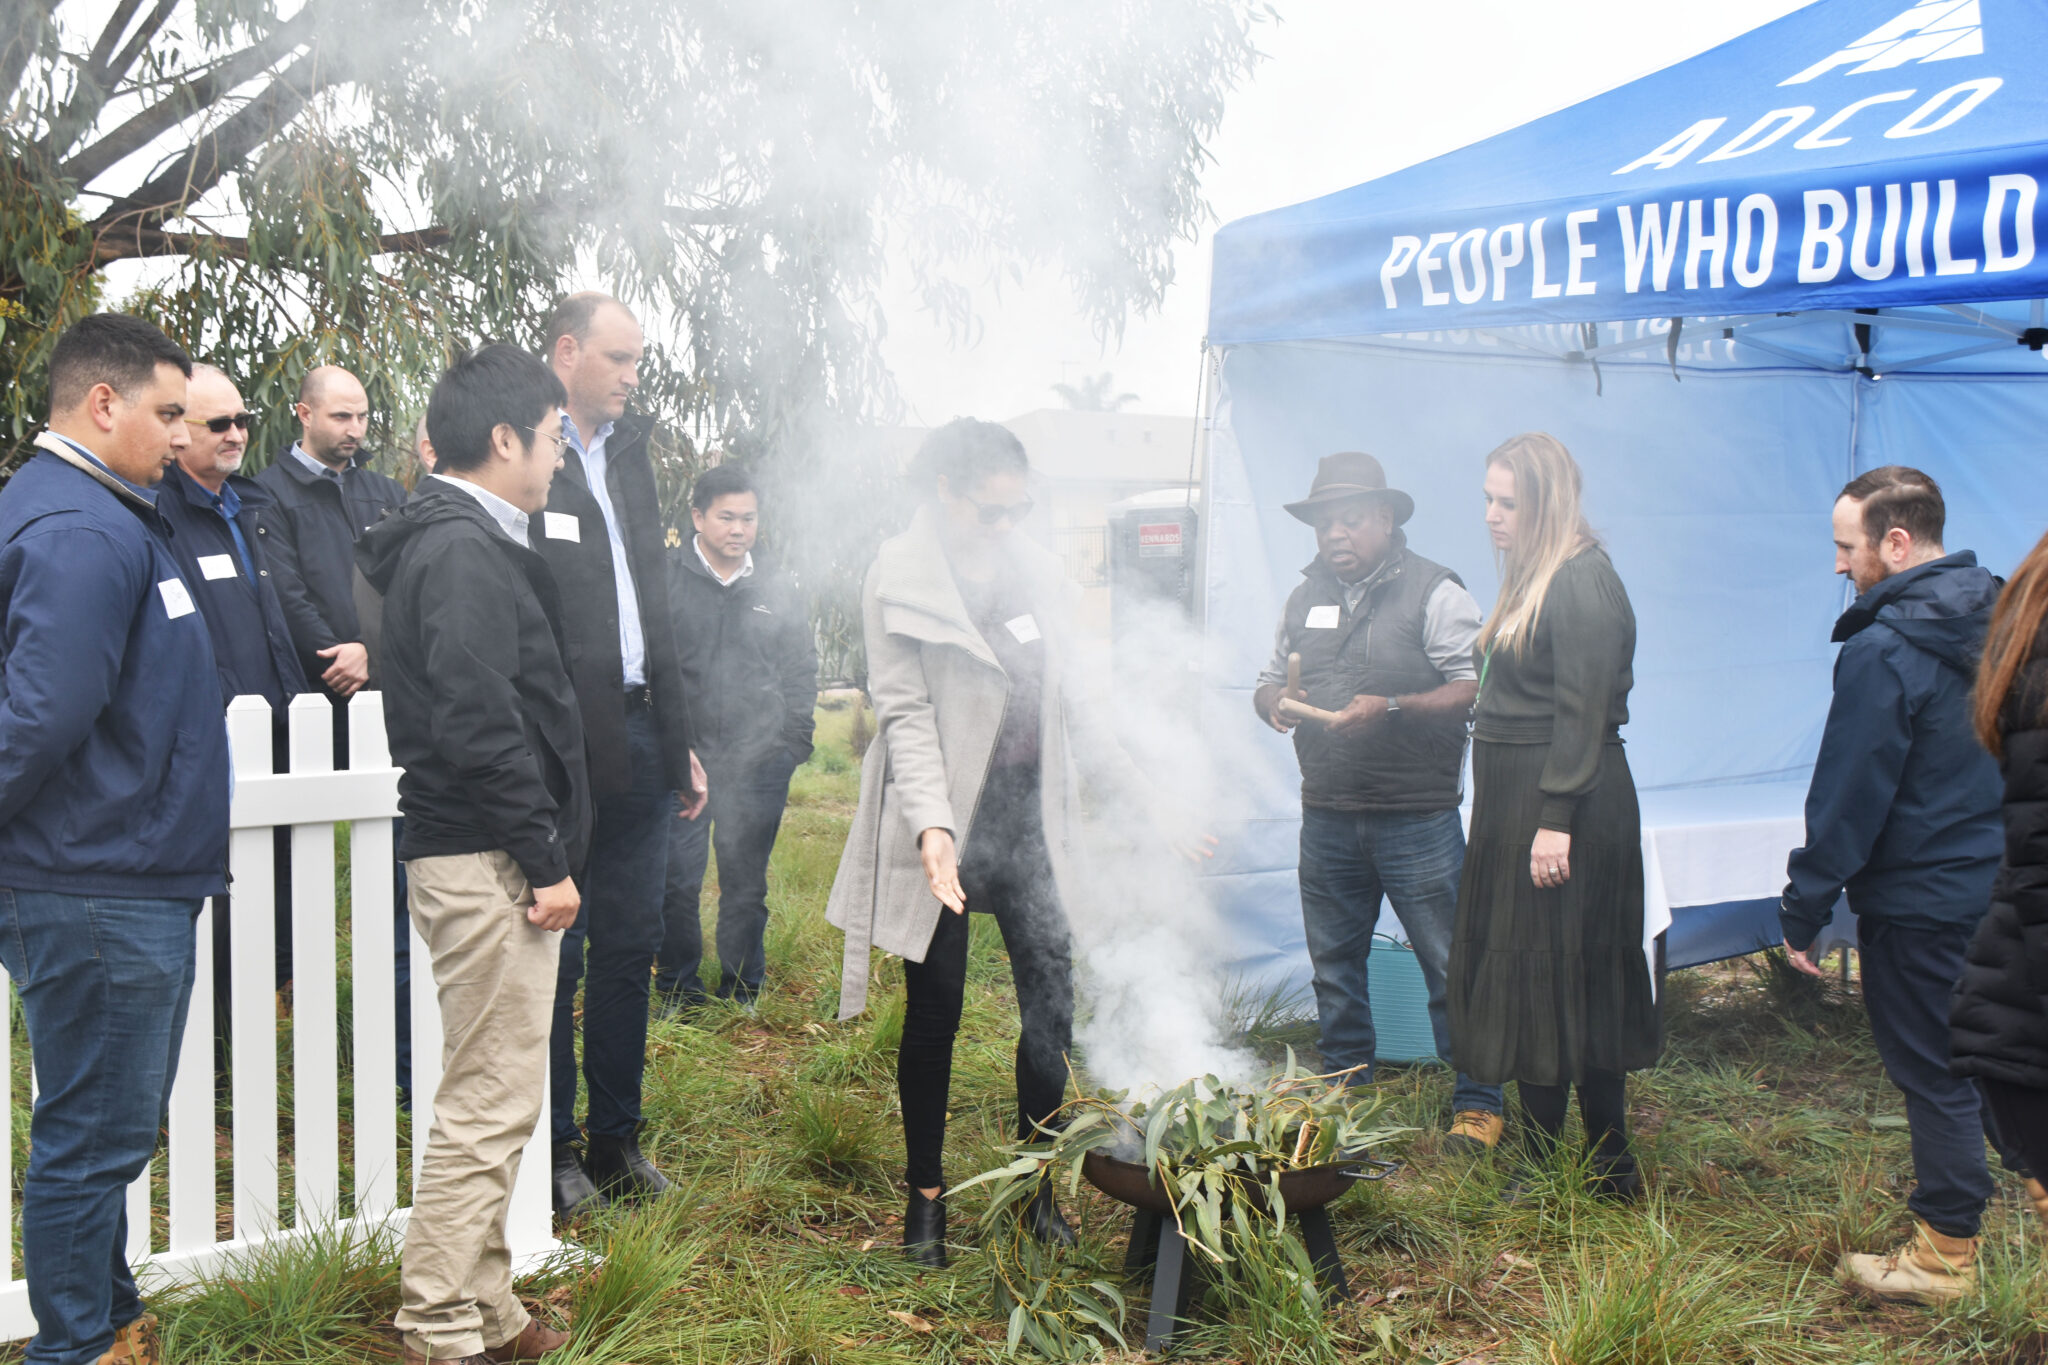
[[375, 182]]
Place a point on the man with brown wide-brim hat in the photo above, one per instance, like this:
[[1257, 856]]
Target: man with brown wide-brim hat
[[1373, 673]]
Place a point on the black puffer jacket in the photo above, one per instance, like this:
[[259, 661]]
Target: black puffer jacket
[[2000, 1017], [476, 698]]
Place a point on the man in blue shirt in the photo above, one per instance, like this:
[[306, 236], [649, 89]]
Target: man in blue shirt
[[113, 814], [602, 536]]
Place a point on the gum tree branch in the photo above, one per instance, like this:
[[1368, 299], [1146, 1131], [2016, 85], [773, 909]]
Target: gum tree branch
[[183, 101]]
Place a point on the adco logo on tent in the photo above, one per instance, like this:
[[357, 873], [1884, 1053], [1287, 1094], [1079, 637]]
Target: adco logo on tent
[[1931, 31]]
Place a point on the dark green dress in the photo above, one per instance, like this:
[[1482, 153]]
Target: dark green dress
[[1548, 984]]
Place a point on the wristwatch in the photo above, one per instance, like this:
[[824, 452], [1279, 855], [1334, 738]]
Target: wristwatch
[[1393, 706]]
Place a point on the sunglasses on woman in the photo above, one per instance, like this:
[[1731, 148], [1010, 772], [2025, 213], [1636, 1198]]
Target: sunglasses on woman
[[993, 512], [241, 421]]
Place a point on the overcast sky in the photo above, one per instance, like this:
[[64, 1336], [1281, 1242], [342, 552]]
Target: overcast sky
[[1351, 89]]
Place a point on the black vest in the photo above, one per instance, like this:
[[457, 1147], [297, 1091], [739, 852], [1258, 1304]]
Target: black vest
[[1407, 762]]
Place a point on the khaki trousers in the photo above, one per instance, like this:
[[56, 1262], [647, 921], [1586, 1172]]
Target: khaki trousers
[[495, 974]]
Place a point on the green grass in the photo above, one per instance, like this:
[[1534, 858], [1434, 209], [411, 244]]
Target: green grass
[[1769, 1138]]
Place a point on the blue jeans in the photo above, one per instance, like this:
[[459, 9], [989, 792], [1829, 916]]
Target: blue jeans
[[741, 821], [1909, 973], [1349, 860], [612, 947], [104, 983]]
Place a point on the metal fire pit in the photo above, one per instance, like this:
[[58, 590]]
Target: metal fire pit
[[1156, 1241]]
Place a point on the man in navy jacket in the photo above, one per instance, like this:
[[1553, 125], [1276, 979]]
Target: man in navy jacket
[[217, 534], [219, 540], [113, 814], [1903, 815]]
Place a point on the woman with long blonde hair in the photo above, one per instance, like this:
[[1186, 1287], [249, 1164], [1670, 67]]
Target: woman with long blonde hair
[[1549, 986], [1999, 1022]]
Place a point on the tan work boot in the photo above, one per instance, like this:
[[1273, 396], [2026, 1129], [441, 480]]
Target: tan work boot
[[137, 1343], [2037, 1195], [1931, 1268], [1474, 1132], [533, 1342]]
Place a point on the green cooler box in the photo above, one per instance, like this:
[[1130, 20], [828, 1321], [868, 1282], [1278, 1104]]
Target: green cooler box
[[1400, 1004]]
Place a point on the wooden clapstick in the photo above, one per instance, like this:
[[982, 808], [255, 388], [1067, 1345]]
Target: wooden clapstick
[[1301, 710]]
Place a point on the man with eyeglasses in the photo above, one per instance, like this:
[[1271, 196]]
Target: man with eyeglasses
[[602, 536], [1379, 642], [750, 662]]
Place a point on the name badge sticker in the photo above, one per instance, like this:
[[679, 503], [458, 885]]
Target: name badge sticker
[[1322, 618], [561, 526], [216, 566], [1024, 628], [177, 598]]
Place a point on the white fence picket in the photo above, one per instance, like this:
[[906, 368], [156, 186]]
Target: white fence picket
[[316, 1078], [310, 799], [373, 1021], [191, 1192], [252, 952]]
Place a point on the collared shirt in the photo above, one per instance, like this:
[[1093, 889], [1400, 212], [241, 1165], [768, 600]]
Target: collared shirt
[[697, 544], [228, 503], [147, 494], [509, 518], [632, 645], [1450, 629], [321, 470]]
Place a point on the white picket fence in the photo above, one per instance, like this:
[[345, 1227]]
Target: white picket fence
[[311, 798]]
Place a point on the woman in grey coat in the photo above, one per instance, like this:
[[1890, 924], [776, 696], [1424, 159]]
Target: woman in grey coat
[[969, 794]]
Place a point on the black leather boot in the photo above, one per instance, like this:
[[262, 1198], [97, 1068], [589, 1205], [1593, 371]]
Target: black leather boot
[[621, 1172], [1043, 1221], [1617, 1179], [574, 1194], [924, 1231]]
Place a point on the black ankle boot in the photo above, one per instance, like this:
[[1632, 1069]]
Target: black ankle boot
[[619, 1169], [1042, 1218], [1617, 1178], [574, 1194], [924, 1231]]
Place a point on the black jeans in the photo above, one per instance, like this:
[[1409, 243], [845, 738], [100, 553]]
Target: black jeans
[[740, 821], [612, 947], [1006, 873], [2018, 1120], [1909, 973], [1603, 1109]]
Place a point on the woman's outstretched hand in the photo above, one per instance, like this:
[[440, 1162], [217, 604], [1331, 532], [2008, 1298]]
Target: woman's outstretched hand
[[1183, 835], [942, 868]]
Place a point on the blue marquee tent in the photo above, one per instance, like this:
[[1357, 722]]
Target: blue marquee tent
[[1728, 287]]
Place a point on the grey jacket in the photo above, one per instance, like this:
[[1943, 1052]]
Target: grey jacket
[[938, 695]]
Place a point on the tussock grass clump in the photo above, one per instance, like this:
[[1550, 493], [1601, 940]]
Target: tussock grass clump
[[1269, 1302], [308, 1301], [835, 1135], [1657, 1300]]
